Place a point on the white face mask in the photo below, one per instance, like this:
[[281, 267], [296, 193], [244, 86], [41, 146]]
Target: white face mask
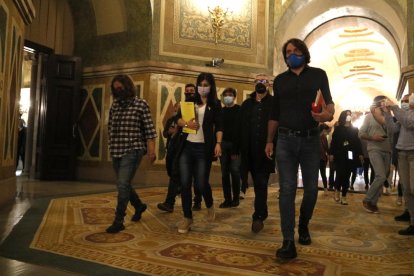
[[228, 100], [405, 106], [411, 99], [348, 118], [203, 90]]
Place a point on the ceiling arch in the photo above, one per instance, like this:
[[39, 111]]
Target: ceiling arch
[[360, 57], [301, 17]]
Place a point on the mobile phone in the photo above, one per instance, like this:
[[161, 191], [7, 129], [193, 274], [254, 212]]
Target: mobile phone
[[384, 136]]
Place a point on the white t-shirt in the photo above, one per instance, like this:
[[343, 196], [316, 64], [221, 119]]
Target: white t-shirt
[[199, 136]]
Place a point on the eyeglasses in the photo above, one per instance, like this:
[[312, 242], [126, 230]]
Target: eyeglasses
[[405, 101], [261, 81]]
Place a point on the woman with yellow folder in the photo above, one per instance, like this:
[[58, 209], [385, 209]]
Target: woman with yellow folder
[[202, 146]]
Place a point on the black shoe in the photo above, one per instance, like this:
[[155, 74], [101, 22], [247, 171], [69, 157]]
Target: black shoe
[[138, 212], [304, 237], [403, 217], [407, 232], [226, 204], [257, 225], [196, 207], [115, 228], [287, 251], [235, 203], [165, 207]]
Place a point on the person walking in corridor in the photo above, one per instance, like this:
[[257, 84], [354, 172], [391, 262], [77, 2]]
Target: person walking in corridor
[[230, 150], [405, 146], [255, 112], [131, 135], [200, 148], [346, 152], [298, 142], [375, 132]]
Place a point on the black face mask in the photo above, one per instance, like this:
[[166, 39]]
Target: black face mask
[[189, 97], [119, 93], [260, 88]]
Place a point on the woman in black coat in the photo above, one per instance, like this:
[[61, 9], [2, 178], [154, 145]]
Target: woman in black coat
[[346, 152]]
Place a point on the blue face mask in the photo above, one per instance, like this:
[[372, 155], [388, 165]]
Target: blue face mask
[[295, 61]]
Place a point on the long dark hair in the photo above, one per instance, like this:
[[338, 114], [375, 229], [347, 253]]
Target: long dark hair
[[212, 96], [342, 117], [128, 84], [298, 44]]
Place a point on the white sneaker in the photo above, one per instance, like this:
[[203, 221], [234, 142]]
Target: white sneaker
[[399, 201], [185, 225], [337, 196], [211, 214], [387, 191]]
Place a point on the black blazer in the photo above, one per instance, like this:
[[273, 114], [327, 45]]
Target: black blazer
[[212, 123]]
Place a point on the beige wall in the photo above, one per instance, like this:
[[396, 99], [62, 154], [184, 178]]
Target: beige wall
[[11, 33], [53, 26]]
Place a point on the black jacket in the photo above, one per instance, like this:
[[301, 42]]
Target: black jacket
[[255, 161], [345, 139]]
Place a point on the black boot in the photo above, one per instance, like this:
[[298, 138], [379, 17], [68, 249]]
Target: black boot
[[408, 231], [287, 251], [304, 236], [166, 207], [403, 217], [138, 212], [115, 227]]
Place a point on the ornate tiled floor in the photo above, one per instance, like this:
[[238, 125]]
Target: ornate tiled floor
[[346, 239]]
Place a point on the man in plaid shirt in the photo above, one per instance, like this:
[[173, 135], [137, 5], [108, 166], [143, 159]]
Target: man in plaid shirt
[[131, 135]]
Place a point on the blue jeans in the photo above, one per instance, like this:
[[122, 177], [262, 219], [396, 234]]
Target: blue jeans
[[381, 161], [229, 167], [193, 163], [125, 168], [292, 151], [260, 180]]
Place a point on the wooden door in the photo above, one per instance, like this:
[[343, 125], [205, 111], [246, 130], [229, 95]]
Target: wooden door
[[59, 111]]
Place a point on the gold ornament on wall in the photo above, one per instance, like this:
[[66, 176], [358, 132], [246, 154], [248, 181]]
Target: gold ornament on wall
[[217, 16]]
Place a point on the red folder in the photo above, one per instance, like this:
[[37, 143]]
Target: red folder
[[318, 103]]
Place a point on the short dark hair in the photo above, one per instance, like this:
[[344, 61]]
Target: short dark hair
[[230, 90], [379, 98], [298, 44], [190, 85], [128, 84]]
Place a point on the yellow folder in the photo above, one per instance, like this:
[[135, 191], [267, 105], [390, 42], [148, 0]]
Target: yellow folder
[[187, 114]]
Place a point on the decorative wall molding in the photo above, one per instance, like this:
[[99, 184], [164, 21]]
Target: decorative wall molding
[[26, 10], [406, 74]]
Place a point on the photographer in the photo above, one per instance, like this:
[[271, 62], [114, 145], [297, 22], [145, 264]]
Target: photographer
[[374, 131]]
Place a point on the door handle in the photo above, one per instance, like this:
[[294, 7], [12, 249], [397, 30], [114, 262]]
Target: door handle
[[74, 126]]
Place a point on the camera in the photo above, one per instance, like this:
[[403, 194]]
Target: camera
[[215, 62]]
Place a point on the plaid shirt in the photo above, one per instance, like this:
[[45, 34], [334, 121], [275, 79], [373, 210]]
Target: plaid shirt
[[130, 126]]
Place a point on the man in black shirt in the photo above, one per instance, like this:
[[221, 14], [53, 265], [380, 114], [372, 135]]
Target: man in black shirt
[[298, 139], [255, 112], [230, 152]]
